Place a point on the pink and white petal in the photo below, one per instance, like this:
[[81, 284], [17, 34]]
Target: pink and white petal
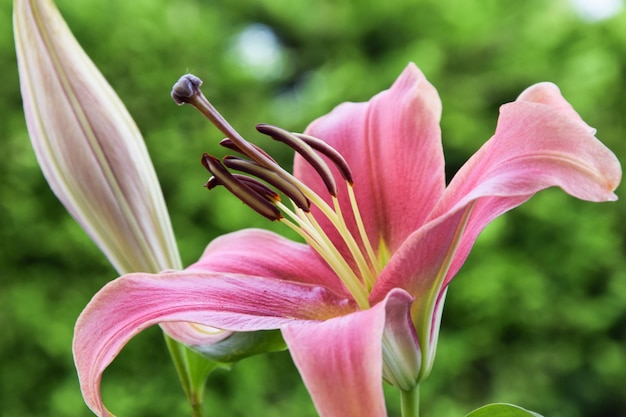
[[429, 355], [402, 353], [263, 253], [245, 252], [340, 360], [393, 146], [128, 305], [194, 334], [549, 94], [420, 267], [535, 146]]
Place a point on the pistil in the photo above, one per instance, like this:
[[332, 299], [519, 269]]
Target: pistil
[[187, 90]]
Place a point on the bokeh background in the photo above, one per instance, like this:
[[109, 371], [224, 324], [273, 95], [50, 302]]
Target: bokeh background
[[536, 317]]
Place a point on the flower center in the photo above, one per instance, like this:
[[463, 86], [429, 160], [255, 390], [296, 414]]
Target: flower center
[[261, 181]]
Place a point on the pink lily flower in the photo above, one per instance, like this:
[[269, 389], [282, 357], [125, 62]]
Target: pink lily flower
[[361, 300]]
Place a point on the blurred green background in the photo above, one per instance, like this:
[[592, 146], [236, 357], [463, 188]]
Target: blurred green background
[[536, 317]]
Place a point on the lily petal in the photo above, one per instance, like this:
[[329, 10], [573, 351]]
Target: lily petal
[[128, 305], [420, 267], [88, 146], [246, 252], [347, 351], [549, 94], [382, 140], [535, 146]]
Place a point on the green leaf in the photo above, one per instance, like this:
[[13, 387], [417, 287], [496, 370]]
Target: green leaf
[[240, 345], [502, 410], [195, 365]]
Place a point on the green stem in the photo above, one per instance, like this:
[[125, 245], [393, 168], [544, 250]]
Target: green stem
[[193, 371], [410, 402], [196, 410]]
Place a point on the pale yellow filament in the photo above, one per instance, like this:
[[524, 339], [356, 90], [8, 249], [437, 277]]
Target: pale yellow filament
[[322, 245]]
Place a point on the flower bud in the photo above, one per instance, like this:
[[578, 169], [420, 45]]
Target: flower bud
[[88, 146]]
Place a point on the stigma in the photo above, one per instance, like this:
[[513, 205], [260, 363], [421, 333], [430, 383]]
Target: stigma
[[256, 179]]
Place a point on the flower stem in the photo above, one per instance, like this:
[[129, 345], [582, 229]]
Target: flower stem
[[410, 402], [193, 371], [196, 410]]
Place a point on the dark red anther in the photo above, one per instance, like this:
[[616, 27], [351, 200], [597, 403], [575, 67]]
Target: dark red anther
[[250, 197], [305, 151], [284, 185], [329, 152]]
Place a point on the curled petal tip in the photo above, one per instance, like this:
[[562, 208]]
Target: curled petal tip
[[550, 94], [595, 170], [186, 87]]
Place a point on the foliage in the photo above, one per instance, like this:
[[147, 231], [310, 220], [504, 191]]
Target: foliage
[[502, 410], [536, 317]]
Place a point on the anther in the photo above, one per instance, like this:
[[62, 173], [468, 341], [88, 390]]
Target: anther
[[301, 147], [212, 183], [282, 184], [229, 144], [253, 183], [329, 152], [258, 187], [258, 202]]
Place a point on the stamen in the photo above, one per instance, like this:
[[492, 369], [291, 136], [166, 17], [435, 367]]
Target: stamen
[[373, 260], [252, 183], [303, 149], [212, 183], [366, 271], [358, 270], [283, 185], [330, 152], [229, 144], [342, 165], [247, 195], [367, 268], [319, 241]]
